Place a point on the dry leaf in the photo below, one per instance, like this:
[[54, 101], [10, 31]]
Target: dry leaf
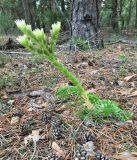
[[2, 129], [57, 150], [30, 109], [130, 78], [125, 156], [134, 153], [15, 120], [3, 152], [61, 109], [126, 92], [44, 105], [133, 94], [91, 157], [5, 97], [34, 136]]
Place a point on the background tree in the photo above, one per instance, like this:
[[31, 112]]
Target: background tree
[[85, 20], [115, 15], [29, 12], [136, 13]]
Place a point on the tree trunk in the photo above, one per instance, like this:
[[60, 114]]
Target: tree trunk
[[63, 10], [121, 5], [85, 20], [129, 13], [63, 6], [42, 9], [37, 15], [136, 14], [29, 12], [114, 20]]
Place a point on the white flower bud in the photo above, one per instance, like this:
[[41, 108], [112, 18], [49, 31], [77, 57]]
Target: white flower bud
[[56, 28], [39, 34], [23, 40], [28, 27], [21, 24]]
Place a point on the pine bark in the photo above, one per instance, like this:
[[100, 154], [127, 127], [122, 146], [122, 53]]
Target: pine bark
[[136, 14], [121, 5], [114, 20], [85, 20], [29, 12]]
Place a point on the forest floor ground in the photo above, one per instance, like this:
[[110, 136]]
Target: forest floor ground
[[27, 90]]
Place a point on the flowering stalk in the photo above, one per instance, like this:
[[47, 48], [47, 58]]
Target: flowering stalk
[[37, 43]]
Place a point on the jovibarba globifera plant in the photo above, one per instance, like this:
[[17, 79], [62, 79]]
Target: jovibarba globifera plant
[[37, 43], [103, 108]]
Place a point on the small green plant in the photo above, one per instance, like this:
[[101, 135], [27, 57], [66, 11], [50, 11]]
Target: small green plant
[[104, 108], [36, 42], [66, 91], [82, 44], [83, 112], [108, 108], [4, 59], [121, 70], [4, 80], [122, 57], [93, 98]]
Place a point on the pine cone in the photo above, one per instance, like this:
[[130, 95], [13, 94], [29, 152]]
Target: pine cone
[[80, 154], [46, 117], [27, 126], [25, 129], [100, 156], [88, 137], [56, 121], [52, 156], [56, 131], [134, 135]]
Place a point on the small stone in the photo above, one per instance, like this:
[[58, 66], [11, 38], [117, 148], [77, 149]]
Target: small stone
[[121, 83], [18, 113], [84, 65], [10, 102], [88, 122], [15, 120], [22, 67], [89, 147]]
